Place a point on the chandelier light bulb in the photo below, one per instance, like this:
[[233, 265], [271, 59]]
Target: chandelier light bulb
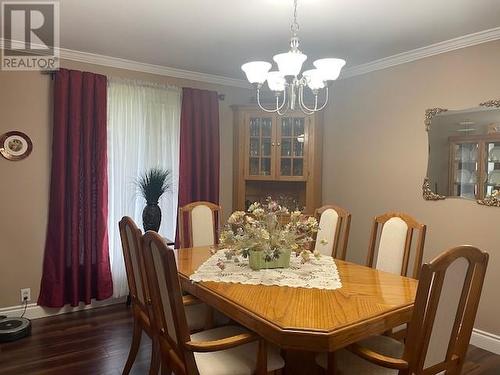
[[276, 81], [330, 68], [256, 71], [314, 79], [290, 63]]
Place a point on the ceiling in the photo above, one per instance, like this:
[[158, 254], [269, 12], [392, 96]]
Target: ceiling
[[217, 37]]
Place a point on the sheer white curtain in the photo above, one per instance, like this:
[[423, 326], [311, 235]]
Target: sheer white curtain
[[143, 132]]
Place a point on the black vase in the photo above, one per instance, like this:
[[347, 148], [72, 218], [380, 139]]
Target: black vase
[[151, 217]]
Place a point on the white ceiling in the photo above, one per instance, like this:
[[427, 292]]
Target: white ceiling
[[216, 37]]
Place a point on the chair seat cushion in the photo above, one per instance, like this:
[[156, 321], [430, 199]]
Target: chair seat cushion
[[241, 360], [348, 363]]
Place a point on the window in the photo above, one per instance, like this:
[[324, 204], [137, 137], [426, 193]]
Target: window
[[143, 132]]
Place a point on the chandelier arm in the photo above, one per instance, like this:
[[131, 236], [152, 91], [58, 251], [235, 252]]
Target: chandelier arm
[[287, 108], [326, 100], [303, 107], [280, 112], [265, 109], [315, 109], [280, 107], [283, 103]]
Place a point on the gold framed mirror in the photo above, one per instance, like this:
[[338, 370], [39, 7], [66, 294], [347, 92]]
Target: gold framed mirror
[[464, 154]]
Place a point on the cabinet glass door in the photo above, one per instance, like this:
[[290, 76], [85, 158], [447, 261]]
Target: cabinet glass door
[[291, 146], [260, 147], [492, 167], [465, 171]]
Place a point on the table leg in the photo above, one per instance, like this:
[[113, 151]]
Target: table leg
[[299, 362], [330, 366]]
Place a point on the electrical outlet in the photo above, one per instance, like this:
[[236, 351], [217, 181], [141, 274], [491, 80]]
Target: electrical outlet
[[25, 294]]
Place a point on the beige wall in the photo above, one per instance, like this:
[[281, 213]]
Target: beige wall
[[25, 105], [375, 155], [374, 160]]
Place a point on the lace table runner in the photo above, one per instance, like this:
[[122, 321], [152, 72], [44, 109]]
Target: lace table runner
[[320, 273]]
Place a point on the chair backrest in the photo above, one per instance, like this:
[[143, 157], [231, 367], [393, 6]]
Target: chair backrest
[[169, 316], [446, 303], [131, 236], [395, 243], [333, 233], [201, 220]]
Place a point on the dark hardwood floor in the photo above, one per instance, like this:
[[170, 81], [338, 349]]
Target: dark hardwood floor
[[96, 342]]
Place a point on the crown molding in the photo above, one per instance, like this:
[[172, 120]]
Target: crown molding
[[423, 52], [384, 63], [117, 62]]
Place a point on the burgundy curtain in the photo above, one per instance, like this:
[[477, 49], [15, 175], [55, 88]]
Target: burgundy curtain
[[199, 148], [76, 264]]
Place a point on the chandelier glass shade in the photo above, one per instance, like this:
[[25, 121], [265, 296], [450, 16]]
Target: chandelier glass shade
[[287, 83]]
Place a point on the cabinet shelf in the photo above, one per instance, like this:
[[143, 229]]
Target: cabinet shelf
[[476, 152]]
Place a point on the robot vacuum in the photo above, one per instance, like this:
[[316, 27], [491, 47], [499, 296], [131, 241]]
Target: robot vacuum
[[12, 329]]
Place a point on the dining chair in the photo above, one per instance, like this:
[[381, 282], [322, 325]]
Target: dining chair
[[131, 239], [395, 239], [333, 233], [198, 226], [225, 350], [201, 220], [440, 328]]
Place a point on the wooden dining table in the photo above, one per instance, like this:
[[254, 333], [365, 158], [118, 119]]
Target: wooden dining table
[[307, 319]]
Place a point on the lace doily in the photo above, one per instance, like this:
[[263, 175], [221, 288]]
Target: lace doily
[[320, 273]]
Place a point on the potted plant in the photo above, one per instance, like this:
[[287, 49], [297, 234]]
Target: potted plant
[[264, 239], [152, 185]]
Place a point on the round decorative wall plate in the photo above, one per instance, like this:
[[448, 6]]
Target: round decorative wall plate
[[15, 145]]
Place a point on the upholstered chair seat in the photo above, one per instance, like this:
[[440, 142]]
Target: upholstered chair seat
[[349, 363], [239, 360]]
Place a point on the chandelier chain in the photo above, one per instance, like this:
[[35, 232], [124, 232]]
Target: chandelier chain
[[295, 24]]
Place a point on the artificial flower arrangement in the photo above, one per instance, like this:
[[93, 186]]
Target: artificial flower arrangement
[[261, 236]]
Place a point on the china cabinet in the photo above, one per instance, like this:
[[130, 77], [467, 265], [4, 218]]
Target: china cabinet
[[277, 156], [474, 167]]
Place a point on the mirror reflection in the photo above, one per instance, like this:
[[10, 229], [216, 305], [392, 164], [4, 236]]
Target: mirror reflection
[[464, 153]]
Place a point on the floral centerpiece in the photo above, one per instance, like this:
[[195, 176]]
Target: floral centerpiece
[[262, 236]]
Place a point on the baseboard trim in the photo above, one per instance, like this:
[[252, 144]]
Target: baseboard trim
[[485, 340], [33, 311]]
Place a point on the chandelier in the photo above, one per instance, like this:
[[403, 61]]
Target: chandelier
[[287, 85]]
